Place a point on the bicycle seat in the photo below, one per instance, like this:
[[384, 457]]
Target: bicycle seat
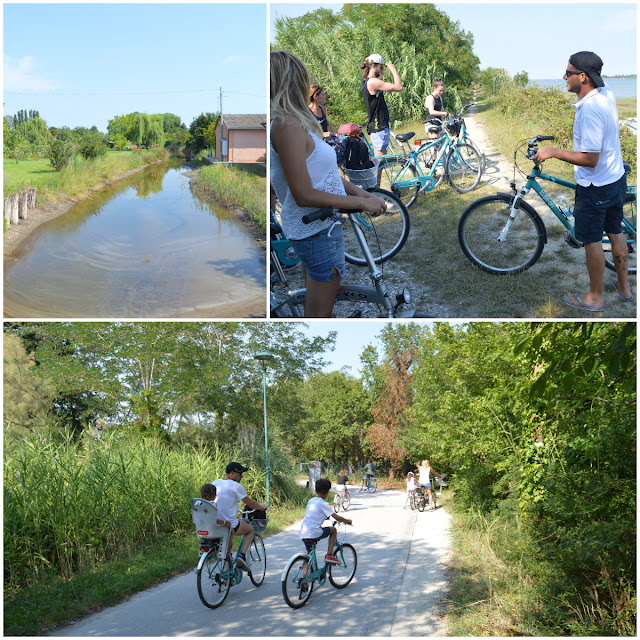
[[403, 137]]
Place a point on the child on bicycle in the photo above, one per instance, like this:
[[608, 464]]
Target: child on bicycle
[[343, 480], [208, 492], [318, 510], [411, 487]]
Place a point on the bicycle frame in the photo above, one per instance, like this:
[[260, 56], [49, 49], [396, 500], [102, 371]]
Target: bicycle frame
[[378, 294], [532, 183], [425, 180]]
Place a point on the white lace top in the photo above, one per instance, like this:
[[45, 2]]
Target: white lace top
[[323, 171]]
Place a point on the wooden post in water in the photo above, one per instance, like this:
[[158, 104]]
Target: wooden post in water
[[23, 201]]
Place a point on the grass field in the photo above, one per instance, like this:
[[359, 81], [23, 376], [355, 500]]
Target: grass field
[[75, 180]]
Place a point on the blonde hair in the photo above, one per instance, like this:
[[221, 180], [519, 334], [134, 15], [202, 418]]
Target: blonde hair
[[289, 90]]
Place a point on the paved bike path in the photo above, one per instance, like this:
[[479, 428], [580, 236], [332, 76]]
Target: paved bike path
[[397, 590]]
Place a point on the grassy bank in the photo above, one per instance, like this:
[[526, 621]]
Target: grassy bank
[[77, 179], [234, 186], [517, 114], [88, 524], [501, 586]]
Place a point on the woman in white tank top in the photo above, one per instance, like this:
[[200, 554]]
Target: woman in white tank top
[[305, 178]]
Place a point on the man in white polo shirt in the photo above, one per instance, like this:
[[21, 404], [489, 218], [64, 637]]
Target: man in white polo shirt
[[600, 175]]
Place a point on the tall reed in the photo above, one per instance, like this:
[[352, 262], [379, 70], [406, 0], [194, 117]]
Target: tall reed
[[68, 506]]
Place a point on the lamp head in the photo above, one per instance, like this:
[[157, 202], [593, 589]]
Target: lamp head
[[264, 356]]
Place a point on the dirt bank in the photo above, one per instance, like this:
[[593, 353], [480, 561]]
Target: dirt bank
[[16, 234]]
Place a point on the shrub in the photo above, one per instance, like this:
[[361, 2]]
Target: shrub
[[91, 146], [61, 153]]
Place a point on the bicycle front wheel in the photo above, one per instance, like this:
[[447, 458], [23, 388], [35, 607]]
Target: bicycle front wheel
[[392, 172], [629, 230], [340, 575], [387, 235], [295, 592], [495, 247], [464, 168], [257, 558], [214, 580]]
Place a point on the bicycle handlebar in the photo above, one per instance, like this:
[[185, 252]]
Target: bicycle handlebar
[[324, 213]]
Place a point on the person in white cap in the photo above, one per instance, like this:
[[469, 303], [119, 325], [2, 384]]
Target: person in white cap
[[373, 89], [599, 172]]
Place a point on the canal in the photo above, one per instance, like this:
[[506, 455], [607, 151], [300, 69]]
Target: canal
[[146, 246]]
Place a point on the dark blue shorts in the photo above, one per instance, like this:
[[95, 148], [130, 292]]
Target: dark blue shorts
[[599, 209], [321, 254], [309, 543]]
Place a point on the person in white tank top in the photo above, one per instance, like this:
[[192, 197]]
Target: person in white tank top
[[305, 178], [424, 480]]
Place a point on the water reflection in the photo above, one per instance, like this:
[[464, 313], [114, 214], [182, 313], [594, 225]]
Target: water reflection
[[145, 246]]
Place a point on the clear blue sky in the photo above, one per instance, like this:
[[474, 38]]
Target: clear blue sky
[[82, 64], [537, 38], [353, 336]]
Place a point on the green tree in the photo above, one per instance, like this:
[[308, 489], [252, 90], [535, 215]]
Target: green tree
[[61, 153], [197, 131], [26, 397]]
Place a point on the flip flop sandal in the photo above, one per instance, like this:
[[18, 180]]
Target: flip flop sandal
[[580, 305], [615, 286]]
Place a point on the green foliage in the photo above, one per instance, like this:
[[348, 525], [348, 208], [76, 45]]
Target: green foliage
[[119, 141], [235, 186], [197, 131], [61, 153], [419, 40], [92, 146]]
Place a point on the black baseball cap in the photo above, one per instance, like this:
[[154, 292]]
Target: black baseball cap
[[589, 63], [236, 466]]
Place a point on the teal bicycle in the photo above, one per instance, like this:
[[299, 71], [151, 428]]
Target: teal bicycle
[[217, 569], [504, 234], [368, 484], [427, 166], [302, 572]]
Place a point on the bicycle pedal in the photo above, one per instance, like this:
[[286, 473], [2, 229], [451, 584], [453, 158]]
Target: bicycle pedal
[[572, 241]]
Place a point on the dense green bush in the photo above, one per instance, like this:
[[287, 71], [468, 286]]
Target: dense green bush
[[92, 146], [60, 154]]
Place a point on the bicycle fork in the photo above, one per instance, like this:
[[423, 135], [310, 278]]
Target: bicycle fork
[[515, 205]]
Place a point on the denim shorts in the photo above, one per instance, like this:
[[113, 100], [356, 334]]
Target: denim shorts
[[380, 139], [321, 254], [599, 209], [309, 543]]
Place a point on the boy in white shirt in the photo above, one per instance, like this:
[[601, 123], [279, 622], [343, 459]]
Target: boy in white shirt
[[318, 510]]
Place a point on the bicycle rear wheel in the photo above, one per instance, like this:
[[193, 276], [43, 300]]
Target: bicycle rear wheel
[[388, 233], [295, 592], [464, 168], [432, 163], [336, 502], [422, 503], [373, 485], [480, 229], [257, 559], [394, 170], [629, 229], [213, 588], [340, 575], [346, 502]]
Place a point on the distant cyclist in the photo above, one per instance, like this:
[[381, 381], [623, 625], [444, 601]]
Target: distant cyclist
[[424, 480], [370, 469]]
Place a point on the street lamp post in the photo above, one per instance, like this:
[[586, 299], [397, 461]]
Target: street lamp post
[[263, 358]]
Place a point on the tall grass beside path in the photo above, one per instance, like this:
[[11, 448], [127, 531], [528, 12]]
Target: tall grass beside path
[[244, 188], [77, 179], [69, 508]]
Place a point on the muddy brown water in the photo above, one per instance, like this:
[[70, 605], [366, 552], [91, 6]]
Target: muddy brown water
[[145, 247]]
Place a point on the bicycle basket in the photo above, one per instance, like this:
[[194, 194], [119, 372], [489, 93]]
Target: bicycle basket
[[364, 178], [259, 524], [453, 127]]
